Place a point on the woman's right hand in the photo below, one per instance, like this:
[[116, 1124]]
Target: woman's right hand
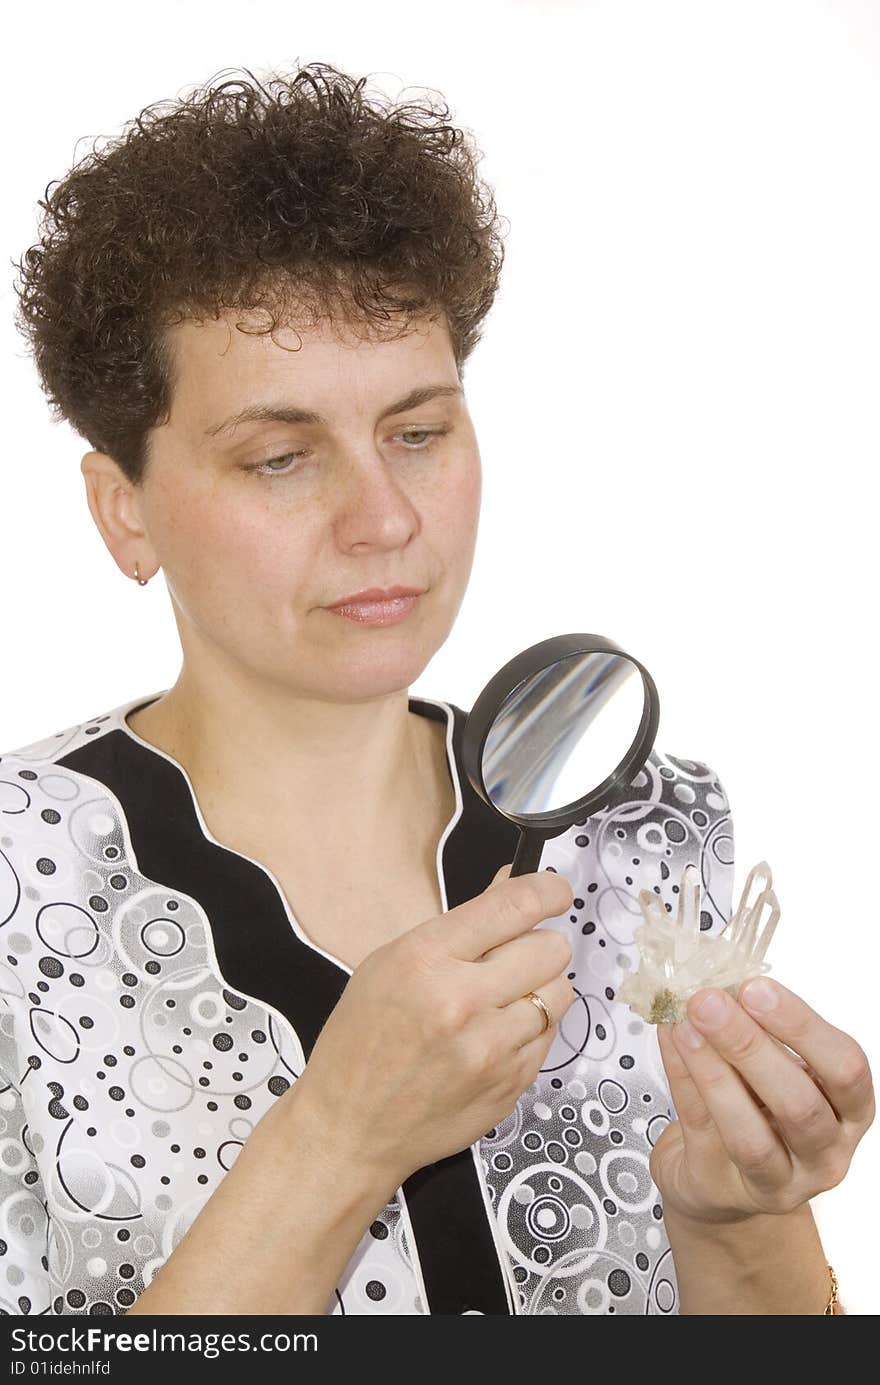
[[434, 1038]]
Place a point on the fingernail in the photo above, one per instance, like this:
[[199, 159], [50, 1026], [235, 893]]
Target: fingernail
[[714, 1008], [760, 995], [688, 1035]]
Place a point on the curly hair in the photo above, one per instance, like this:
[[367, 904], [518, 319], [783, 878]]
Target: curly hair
[[294, 195]]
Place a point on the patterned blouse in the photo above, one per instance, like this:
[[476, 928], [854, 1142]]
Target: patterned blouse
[[158, 995]]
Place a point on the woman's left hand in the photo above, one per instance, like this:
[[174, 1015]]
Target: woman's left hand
[[759, 1129]]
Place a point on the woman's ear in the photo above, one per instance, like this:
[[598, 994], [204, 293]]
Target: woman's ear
[[115, 508]]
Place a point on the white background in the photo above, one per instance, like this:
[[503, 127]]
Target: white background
[[675, 396]]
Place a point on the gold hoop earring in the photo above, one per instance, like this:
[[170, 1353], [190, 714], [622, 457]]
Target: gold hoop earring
[[142, 581]]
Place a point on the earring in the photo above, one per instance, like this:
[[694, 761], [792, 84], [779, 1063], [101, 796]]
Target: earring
[[142, 581]]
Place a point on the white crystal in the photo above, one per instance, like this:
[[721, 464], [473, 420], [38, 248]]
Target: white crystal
[[677, 959]]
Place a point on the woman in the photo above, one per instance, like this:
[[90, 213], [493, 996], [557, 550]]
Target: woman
[[280, 1034]]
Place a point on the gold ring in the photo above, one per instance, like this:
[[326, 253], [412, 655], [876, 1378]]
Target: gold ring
[[536, 1000]]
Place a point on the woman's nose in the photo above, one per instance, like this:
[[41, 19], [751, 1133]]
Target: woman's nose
[[373, 507]]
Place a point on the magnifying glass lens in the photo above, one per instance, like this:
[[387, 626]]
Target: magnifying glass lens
[[562, 732]]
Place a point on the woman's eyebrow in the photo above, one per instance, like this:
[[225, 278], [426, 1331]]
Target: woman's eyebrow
[[290, 413]]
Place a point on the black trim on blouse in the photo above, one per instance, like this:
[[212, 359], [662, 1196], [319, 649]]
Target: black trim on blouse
[[259, 954]]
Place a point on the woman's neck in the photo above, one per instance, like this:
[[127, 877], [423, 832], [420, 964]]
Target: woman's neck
[[372, 775]]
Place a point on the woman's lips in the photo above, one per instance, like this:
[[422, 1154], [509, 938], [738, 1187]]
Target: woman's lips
[[377, 612]]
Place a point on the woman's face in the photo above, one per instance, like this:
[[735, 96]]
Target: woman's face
[[255, 542]]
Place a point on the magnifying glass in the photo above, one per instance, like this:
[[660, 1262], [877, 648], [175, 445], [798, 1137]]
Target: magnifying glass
[[557, 734]]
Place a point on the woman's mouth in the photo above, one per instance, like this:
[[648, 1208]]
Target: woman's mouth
[[389, 612]]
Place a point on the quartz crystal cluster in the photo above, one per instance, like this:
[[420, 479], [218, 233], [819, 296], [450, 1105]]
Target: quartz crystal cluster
[[677, 959]]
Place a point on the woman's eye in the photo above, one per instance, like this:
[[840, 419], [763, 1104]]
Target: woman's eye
[[272, 467], [423, 433]]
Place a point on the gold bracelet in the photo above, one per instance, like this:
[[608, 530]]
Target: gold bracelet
[[829, 1307]]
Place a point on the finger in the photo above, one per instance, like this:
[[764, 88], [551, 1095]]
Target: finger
[[808, 1124], [839, 1063], [521, 965], [506, 909], [535, 1050], [792, 1058], [745, 1132], [676, 1065], [523, 1020], [702, 1142]]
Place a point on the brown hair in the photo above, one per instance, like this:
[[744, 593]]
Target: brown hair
[[294, 194]]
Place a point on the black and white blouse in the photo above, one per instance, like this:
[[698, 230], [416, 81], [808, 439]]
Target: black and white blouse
[[159, 995]]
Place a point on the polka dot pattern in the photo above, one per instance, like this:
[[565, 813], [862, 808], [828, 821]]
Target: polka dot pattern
[[132, 1074]]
